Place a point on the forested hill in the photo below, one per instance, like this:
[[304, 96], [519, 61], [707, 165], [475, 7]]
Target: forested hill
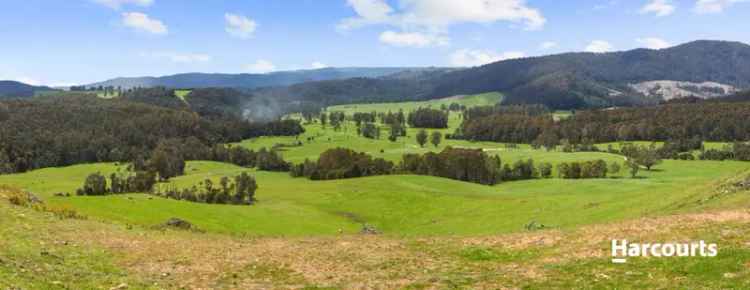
[[565, 81], [282, 78], [13, 89], [575, 80]]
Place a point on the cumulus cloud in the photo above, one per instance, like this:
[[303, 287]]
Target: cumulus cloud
[[599, 46], [261, 66], [142, 22], [318, 65], [240, 26], [117, 4], [412, 39], [659, 8], [440, 14], [470, 58], [653, 43], [547, 45], [714, 6], [178, 57]]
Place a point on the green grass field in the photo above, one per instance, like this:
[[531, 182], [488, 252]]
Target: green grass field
[[469, 236], [182, 93], [488, 99], [397, 205]]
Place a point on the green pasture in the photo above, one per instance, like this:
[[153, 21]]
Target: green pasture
[[404, 205]]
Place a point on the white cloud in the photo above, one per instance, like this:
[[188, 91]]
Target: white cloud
[[318, 65], [714, 6], [470, 58], [653, 43], [143, 22], [547, 45], [599, 46], [424, 23], [261, 66], [369, 11], [659, 8], [240, 26], [412, 39], [436, 16], [178, 57], [116, 4]]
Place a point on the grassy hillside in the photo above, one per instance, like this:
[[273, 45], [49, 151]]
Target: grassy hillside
[[44, 252], [487, 99], [401, 204], [437, 233]]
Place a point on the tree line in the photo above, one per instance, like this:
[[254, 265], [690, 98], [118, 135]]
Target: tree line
[[707, 121], [340, 163], [239, 190], [62, 131], [428, 118]]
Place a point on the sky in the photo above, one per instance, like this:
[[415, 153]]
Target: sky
[[66, 42]]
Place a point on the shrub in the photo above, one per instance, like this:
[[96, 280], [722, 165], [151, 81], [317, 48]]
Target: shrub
[[95, 184]]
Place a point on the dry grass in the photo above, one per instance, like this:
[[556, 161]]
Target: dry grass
[[183, 259], [207, 261]]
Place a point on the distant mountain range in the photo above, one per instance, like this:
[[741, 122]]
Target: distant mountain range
[[13, 89], [250, 81], [704, 69], [589, 79]]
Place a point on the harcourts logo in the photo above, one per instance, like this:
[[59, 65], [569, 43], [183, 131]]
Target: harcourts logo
[[622, 249]]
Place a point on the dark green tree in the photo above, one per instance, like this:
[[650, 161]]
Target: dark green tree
[[435, 138], [422, 137]]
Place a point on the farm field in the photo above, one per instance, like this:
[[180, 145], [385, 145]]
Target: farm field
[[400, 205], [534, 234], [49, 253]]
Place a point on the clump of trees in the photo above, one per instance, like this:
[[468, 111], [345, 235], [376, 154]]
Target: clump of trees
[[583, 170], [391, 118], [646, 156], [471, 165], [270, 160], [428, 118], [239, 190], [676, 149], [396, 130], [340, 163], [360, 118], [119, 182], [369, 130], [166, 161], [737, 151]]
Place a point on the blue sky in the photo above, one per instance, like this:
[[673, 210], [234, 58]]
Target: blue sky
[[60, 42]]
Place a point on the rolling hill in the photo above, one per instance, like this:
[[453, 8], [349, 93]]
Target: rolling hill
[[13, 89], [574, 80], [705, 69], [282, 78]]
